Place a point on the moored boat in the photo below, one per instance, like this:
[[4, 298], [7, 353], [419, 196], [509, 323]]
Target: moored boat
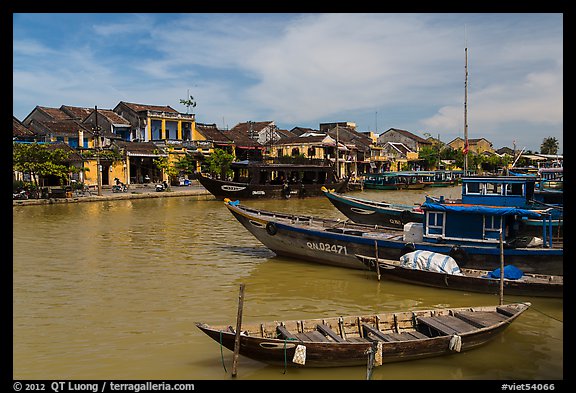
[[371, 339], [364, 211], [418, 268], [252, 180], [336, 242]]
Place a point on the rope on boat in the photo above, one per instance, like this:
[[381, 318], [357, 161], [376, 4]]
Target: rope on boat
[[543, 313], [285, 360], [221, 353]]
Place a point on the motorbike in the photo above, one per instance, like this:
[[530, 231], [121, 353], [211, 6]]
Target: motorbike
[[119, 186], [20, 195], [162, 186]]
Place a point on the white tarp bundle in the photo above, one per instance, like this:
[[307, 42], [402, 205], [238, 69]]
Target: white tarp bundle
[[431, 261]]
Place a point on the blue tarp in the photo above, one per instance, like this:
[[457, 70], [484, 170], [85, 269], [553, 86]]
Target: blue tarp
[[479, 209], [511, 272]]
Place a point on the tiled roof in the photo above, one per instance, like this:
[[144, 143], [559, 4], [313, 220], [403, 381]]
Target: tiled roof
[[113, 117], [256, 126], [60, 127], [211, 132], [76, 112], [54, 113], [20, 130], [139, 148], [143, 107]]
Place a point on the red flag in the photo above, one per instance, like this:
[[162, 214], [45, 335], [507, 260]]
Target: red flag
[[465, 150]]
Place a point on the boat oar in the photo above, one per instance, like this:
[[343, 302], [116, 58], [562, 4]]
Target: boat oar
[[238, 329]]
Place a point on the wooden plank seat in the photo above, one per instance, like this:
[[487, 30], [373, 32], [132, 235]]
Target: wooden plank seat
[[480, 319], [377, 333], [325, 329], [312, 336], [285, 334], [447, 324], [505, 311]]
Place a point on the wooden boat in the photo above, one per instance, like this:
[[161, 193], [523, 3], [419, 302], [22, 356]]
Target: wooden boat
[[382, 181], [364, 211], [274, 181], [471, 280], [382, 337], [337, 242]]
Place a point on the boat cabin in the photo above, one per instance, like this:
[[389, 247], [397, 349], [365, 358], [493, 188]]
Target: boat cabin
[[465, 223], [514, 191], [263, 174]]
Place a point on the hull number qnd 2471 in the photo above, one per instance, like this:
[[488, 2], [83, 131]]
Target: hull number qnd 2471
[[336, 249]]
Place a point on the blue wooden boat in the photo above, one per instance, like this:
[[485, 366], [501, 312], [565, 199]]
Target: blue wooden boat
[[506, 191], [392, 215], [469, 234]]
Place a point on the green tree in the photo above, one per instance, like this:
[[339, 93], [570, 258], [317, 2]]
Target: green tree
[[549, 146], [163, 164], [430, 155], [188, 102], [219, 163], [186, 164], [38, 160]]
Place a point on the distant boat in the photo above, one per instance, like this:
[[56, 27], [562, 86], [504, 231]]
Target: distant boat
[[368, 339], [472, 280], [252, 180], [364, 211], [467, 234]]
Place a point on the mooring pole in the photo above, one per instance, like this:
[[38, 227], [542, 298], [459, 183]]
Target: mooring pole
[[377, 261], [238, 329], [501, 268]]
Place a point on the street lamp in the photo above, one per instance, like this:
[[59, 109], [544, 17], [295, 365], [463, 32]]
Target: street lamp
[[96, 131]]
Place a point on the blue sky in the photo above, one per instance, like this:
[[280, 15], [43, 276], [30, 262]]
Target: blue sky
[[378, 70]]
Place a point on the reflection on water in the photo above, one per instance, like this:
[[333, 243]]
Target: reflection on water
[[111, 290]]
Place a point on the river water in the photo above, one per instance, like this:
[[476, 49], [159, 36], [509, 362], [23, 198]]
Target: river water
[[111, 290]]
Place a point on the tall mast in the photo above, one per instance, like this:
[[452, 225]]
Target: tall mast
[[465, 110]]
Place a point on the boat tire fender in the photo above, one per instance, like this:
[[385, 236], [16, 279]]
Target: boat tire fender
[[459, 254], [408, 247], [271, 228]]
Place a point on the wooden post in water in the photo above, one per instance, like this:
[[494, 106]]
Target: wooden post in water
[[501, 268], [238, 329], [377, 261]]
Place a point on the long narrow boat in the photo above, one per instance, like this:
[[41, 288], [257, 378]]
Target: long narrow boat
[[383, 337], [471, 280], [337, 242], [251, 180], [364, 211]]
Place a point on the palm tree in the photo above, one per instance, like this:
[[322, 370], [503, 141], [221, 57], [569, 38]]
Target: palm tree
[[549, 146]]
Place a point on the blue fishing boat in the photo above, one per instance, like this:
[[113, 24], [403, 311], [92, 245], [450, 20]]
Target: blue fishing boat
[[469, 234]]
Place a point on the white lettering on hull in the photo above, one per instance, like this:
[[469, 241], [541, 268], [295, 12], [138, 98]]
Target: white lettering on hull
[[232, 188], [334, 248]]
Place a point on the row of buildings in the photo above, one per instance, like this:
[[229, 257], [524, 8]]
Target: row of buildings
[[138, 134]]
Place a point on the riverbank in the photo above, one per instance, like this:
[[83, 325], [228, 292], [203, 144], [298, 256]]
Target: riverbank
[[136, 192]]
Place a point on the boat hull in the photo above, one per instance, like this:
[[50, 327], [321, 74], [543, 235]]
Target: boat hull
[[261, 342], [372, 213], [304, 239], [529, 285], [222, 189]]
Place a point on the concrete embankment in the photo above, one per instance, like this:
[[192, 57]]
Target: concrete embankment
[[198, 192]]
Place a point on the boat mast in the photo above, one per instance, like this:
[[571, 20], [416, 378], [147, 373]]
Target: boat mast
[[337, 154], [465, 110]]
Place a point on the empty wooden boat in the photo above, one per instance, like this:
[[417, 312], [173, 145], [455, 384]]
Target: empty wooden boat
[[385, 337]]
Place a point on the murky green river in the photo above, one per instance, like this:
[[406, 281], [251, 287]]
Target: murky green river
[[111, 290]]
